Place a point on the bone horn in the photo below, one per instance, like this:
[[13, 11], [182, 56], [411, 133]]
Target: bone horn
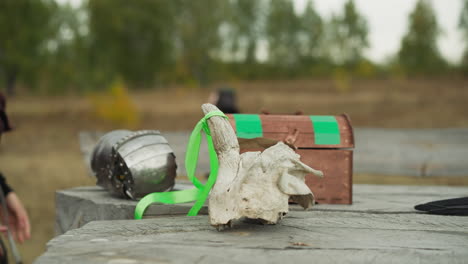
[[225, 144]]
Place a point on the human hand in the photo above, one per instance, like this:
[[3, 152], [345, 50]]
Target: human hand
[[17, 218]]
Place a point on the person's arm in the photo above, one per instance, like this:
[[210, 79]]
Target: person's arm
[[19, 220], [18, 217]]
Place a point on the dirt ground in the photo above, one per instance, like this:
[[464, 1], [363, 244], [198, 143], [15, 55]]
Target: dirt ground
[[42, 155]]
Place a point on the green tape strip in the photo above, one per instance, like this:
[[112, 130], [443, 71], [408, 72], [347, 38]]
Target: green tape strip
[[326, 130], [200, 193], [248, 126]]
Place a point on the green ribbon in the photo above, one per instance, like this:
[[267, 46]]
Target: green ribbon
[[200, 193]]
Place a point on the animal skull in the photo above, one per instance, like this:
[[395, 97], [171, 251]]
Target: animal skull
[[254, 185]]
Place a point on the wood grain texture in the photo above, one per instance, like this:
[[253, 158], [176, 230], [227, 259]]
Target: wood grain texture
[[277, 127], [78, 206], [335, 162], [317, 236]]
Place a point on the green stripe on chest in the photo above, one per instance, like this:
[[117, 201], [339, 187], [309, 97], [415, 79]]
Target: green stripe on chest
[[248, 126], [326, 130]]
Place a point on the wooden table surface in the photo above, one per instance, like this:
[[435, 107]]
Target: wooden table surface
[[380, 227]]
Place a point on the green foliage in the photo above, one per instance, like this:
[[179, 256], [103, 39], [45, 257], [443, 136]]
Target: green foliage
[[463, 26], [366, 69], [25, 28], [197, 35], [244, 29], [463, 21], [294, 40], [282, 33], [342, 80], [55, 48], [419, 53], [347, 36], [67, 67], [115, 106], [311, 33], [130, 39]]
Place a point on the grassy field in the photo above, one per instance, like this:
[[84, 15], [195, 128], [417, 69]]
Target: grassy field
[[42, 155]]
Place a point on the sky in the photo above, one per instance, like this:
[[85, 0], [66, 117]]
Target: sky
[[388, 22]]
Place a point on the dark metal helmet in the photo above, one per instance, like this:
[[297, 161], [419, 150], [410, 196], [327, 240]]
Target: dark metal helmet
[[134, 164]]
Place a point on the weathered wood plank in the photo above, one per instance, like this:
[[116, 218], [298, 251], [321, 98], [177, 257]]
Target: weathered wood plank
[[321, 237], [413, 152], [78, 206], [394, 198]]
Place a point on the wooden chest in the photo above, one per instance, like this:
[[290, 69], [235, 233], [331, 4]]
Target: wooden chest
[[324, 142]]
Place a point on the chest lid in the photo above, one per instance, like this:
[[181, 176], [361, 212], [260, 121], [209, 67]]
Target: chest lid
[[315, 131]]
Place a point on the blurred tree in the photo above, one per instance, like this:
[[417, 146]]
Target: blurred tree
[[463, 26], [25, 27], [129, 39], [419, 53], [282, 31], [347, 36], [311, 32], [67, 67], [245, 29], [197, 35]]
